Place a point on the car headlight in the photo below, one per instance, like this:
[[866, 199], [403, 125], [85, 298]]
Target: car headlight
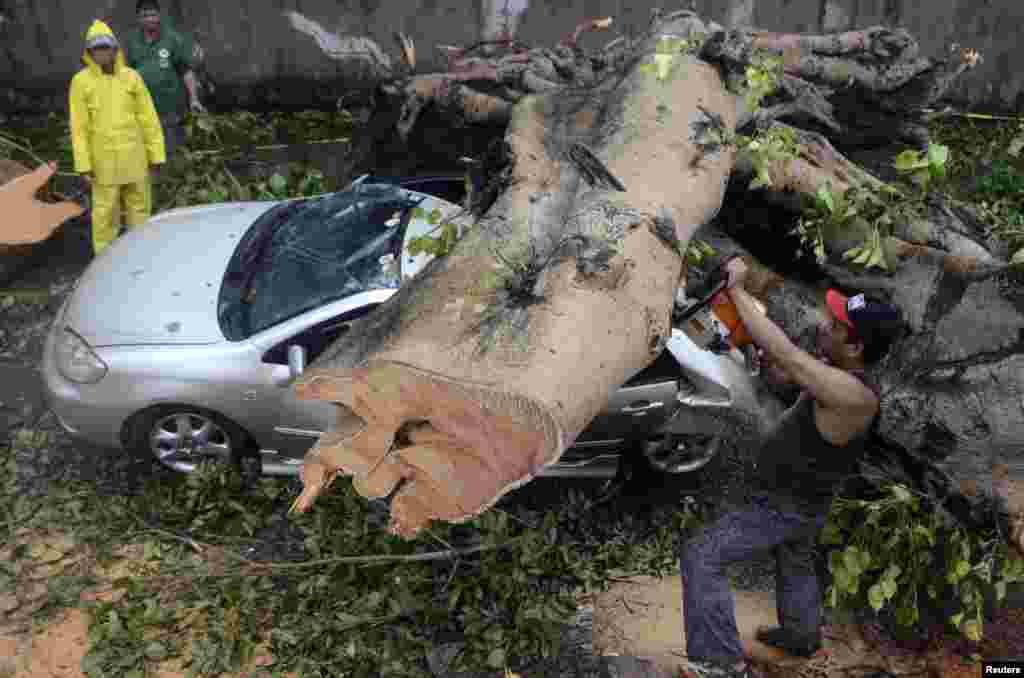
[[76, 360]]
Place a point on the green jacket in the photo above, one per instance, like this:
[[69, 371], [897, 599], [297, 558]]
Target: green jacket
[[162, 64]]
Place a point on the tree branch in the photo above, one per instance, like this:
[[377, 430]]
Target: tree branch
[[977, 359]]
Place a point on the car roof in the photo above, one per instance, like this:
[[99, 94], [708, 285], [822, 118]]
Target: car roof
[[448, 187]]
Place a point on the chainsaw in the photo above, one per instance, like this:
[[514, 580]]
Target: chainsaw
[[713, 322]]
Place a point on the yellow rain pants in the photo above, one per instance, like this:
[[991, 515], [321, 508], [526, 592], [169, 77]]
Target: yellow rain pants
[[111, 200]]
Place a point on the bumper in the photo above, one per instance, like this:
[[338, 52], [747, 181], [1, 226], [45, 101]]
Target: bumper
[[80, 408]]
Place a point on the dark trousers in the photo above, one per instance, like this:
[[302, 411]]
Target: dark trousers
[[174, 133], [708, 606]]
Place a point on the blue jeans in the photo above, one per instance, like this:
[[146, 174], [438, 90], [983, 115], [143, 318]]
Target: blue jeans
[[708, 606]]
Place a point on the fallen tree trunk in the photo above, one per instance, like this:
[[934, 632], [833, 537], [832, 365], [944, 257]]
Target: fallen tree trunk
[[482, 370]]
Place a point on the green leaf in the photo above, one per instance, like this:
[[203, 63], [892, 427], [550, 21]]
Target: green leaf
[[1018, 258], [938, 155], [910, 160], [876, 597], [888, 588], [496, 659], [832, 597], [865, 559], [864, 256], [892, 572], [972, 630], [663, 62], [278, 184], [648, 68], [963, 568], [831, 534], [956, 619], [906, 614], [901, 493], [1000, 591], [762, 179], [1016, 146], [853, 253], [434, 216]]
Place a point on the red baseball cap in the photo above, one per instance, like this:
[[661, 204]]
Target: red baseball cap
[[837, 302], [875, 323]]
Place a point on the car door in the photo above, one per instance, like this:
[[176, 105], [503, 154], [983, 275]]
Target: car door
[[635, 411], [300, 422]]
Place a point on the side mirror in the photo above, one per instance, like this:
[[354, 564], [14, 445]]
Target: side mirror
[[296, 360]]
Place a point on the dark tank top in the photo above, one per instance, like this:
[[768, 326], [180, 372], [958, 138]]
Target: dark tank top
[[797, 468]]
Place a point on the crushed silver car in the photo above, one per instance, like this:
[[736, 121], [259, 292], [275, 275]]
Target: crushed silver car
[[183, 338]]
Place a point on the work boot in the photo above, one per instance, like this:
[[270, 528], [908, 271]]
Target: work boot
[[790, 642]]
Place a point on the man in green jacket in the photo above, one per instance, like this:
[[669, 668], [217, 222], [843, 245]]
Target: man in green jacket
[[165, 58]]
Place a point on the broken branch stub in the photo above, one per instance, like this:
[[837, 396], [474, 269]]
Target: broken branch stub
[[27, 219]]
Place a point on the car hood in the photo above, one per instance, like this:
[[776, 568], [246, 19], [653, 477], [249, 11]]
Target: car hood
[[158, 283]]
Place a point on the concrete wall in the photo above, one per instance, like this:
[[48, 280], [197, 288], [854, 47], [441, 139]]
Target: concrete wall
[[256, 58]]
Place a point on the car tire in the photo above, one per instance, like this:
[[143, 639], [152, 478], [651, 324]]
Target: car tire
[[168, 426], [677, 453]]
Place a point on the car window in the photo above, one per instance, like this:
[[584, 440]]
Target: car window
[[325, 249], [317, 338], [664, 368], [452, 190]]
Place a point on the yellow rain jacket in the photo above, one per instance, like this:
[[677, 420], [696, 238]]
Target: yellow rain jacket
[[115, 130]]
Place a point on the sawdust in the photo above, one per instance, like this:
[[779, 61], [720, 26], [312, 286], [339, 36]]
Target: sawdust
[[642, 617]]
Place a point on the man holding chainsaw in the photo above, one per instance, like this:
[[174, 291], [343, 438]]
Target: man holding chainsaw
[[814, 446]]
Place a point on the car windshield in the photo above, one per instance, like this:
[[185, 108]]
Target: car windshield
[[304, 254]]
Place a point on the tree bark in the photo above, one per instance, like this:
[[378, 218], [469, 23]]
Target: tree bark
[[484, 368]]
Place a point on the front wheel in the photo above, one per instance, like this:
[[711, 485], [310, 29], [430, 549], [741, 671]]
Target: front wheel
[[682, 453], [181, 437]]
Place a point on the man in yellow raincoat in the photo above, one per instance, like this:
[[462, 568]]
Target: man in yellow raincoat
[[115, 133]]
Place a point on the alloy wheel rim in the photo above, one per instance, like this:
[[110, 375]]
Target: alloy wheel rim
[[184, 439]]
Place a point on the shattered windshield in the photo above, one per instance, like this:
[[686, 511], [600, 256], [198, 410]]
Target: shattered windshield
[[315, 251]]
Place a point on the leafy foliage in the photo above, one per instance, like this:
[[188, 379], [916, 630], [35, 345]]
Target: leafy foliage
[[885, 553], [120, 638], [761, 78], [214, 611], [986, 170], [435, 245], [924, 168], [772, 145], [698, 251], [869, 214], [1001, 195], [221, 132], [665, 52]]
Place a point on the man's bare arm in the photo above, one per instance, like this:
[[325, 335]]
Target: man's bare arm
[[834, 389], [192, 87]]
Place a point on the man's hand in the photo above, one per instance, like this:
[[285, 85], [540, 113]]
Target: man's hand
[[737, 270]]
